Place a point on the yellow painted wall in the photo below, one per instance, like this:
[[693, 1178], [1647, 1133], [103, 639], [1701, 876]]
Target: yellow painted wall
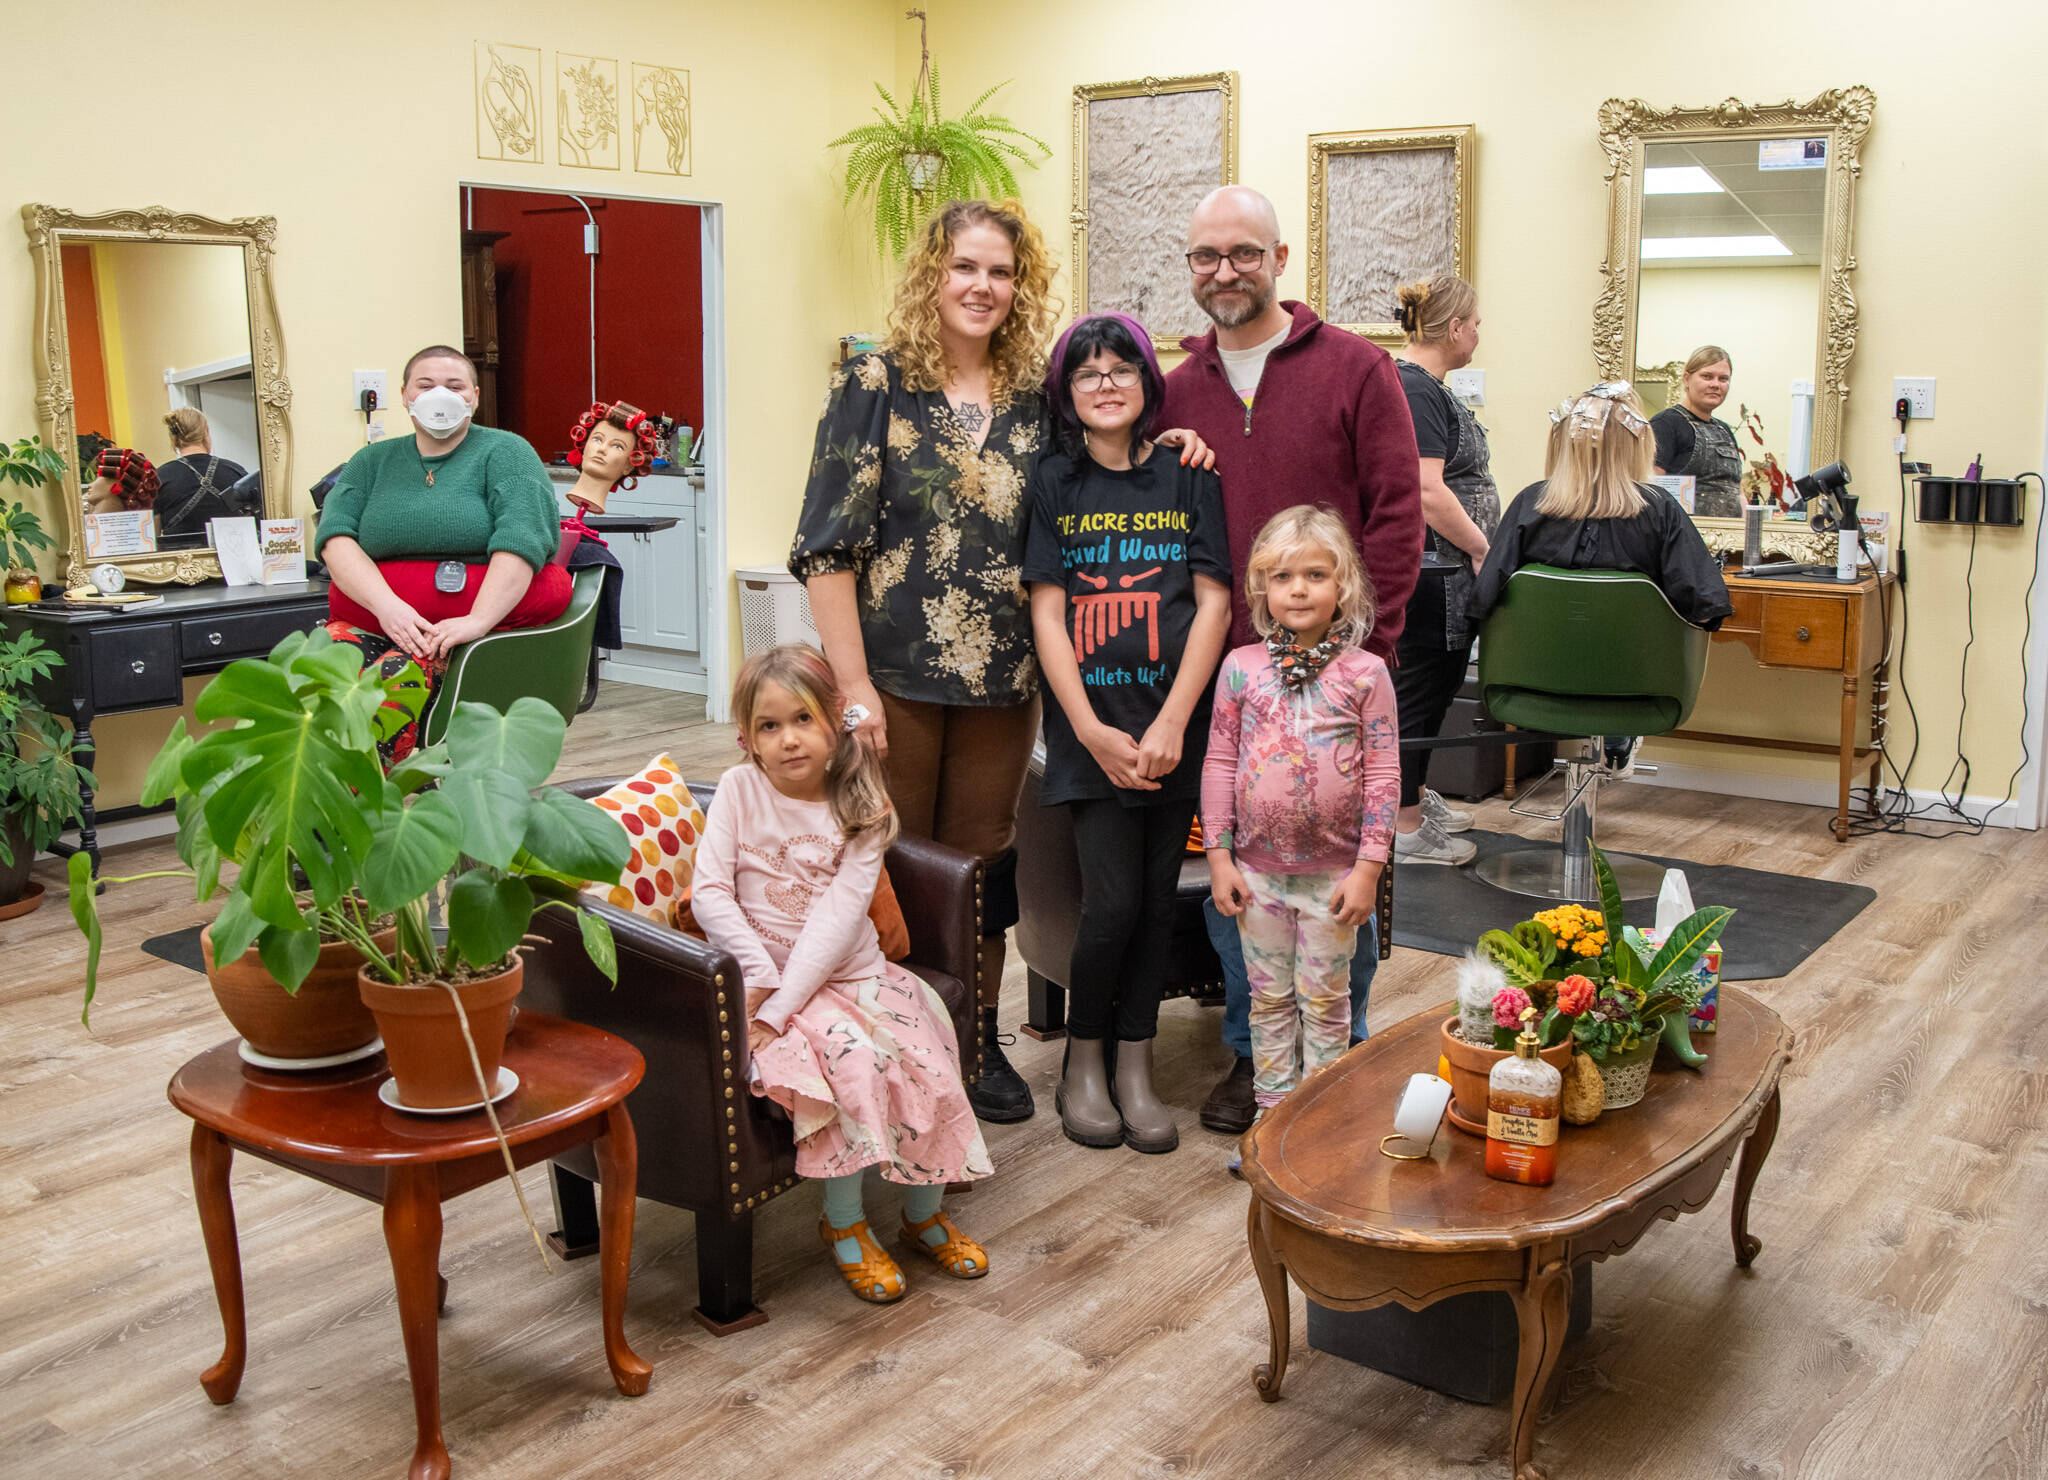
[[1531, 77], [171, 306], [360, 125], [1767, 319]]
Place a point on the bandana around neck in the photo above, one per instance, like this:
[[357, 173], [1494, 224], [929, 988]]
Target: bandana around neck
[[1298, 665]]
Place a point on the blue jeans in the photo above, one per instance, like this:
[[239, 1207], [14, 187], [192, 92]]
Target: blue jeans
[[1237, 988]]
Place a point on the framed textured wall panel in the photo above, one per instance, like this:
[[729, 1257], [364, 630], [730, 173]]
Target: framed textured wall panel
[[1385, 206], [1145, 153]]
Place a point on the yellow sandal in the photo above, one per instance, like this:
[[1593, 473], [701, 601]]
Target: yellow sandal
[[874, 1277], [959, 1256]]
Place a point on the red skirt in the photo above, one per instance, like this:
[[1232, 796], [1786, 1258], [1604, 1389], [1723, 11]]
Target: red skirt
[[412, 581]]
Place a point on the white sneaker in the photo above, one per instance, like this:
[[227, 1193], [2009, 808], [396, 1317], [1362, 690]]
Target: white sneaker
[[1431, 844], [1443, 814]]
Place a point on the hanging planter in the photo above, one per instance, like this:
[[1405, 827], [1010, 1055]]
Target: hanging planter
[[913, 157]]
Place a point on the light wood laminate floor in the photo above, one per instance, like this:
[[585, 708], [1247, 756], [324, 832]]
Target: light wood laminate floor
[[1896, 1323]]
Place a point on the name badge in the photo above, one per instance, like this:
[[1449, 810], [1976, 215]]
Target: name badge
[[450, 576]]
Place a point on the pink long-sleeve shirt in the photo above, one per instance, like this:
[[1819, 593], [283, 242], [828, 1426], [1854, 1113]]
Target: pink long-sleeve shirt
[[778, 888], [1302, 781]]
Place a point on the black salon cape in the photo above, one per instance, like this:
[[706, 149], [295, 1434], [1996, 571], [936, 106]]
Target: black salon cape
[[1660, 542]]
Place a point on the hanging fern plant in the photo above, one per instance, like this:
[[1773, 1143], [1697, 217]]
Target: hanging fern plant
[[913, 157]]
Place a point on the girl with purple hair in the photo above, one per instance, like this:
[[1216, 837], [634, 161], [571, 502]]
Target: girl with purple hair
[[1129, 570]]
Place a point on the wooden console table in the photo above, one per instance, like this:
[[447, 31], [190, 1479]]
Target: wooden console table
[[330, 1125], [116, 662], [1356, 1229], [1821, 627]]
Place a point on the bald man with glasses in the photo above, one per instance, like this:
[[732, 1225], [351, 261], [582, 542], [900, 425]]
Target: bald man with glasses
[[1297, 412]]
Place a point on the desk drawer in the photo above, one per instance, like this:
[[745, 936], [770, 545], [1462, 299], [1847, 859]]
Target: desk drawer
[[223, 637], [135, 666], [1748, 615], [1804, 631]]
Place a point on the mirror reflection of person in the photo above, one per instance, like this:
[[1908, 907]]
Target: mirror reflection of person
[[1693, 442], [123, 479], [195, 482], [435, 539]]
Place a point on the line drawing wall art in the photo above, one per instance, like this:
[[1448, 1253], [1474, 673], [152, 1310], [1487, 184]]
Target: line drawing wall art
[[508, 102], [661, 119], [587, 111]]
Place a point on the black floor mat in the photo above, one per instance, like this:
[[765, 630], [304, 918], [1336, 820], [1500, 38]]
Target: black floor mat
[[180, 948], [1780, 919]]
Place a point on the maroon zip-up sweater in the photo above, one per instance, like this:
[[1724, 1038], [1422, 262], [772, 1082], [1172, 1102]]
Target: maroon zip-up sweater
[[1328, 425]]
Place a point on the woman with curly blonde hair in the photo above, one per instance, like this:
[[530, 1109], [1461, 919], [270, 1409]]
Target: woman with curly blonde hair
[[910, 545]]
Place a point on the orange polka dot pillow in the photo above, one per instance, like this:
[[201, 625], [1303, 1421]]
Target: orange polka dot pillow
[[664, 823]]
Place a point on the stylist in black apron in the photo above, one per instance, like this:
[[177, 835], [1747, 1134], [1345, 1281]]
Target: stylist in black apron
[[1462, 509], [1692, 442], [195, 483]]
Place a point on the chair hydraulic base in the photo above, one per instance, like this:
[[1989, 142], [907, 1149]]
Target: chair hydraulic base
[[1566, 873]]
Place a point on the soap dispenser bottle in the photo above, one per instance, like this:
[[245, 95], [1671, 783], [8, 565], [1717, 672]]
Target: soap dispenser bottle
[[1523, 1098]]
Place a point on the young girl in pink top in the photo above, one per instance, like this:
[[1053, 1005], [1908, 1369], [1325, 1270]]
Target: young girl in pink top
[[855, 1048], [1299, 789]]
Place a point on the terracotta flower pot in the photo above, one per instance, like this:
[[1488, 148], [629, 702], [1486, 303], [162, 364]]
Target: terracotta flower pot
[[326, 1016], [423, 1037], [1470, 1066]]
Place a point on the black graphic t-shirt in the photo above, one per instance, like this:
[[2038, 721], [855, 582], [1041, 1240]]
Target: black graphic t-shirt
[[1125, 546]]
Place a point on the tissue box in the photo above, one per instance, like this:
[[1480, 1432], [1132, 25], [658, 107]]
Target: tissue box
[[1707, 973]]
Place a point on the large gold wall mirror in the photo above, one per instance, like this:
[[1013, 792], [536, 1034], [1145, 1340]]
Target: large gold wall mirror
[[1734, 225], [139, 313]]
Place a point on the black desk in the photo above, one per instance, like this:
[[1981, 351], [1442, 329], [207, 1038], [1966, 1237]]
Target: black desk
[[118, 662]]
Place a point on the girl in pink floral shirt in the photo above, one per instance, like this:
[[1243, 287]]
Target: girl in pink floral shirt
[[1299, 789]]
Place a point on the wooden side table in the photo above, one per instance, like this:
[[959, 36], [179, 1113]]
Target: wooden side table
[[330, 1126], [1356, 1230]]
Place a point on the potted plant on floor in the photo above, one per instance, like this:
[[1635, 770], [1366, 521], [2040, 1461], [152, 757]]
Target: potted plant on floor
[[467, 848], [914, 156], [31, 464], [284, 788], [39, 780]]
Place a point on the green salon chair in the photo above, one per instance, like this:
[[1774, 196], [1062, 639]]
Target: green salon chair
[[1598, 653], [550, 662]]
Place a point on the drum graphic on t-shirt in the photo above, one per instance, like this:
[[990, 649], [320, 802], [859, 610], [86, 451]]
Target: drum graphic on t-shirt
[[1100, 617]]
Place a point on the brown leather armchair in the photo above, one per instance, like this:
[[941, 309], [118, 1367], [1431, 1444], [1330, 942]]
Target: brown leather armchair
[[706, 1142], [1049, 898]]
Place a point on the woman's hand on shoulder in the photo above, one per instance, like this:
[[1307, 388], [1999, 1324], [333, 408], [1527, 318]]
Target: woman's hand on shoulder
[[1193, 450]]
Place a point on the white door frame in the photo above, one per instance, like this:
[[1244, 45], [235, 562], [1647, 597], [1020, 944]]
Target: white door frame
[[2031, 804], [711, 497]]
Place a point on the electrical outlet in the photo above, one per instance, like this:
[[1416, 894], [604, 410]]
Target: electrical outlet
[[369, 380], [1917, 393], [1469, 386]]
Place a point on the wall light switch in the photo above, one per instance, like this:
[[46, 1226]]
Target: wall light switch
[[1469, 386], [368, 380], [1917, 393]]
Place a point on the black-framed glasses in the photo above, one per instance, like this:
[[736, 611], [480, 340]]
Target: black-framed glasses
[[1204, 261], [1123, 377]]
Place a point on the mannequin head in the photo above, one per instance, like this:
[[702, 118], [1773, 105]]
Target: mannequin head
[[612, 445]]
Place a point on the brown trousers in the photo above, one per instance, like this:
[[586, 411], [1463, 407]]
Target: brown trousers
[[956, 775]]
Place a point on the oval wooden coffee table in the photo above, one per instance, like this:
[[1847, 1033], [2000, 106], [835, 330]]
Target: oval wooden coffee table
[[1356, 1229], [329, 1125]]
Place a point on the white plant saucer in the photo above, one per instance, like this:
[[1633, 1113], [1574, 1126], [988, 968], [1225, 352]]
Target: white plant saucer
[[325, 1061], [507, 1081]]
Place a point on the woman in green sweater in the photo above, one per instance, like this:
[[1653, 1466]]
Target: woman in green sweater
[[435, 539]]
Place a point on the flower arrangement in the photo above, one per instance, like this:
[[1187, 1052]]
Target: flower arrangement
[[1591, 977]]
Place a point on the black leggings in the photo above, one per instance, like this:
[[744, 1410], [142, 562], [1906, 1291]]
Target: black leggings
[[1426, 678], [1130, 872]]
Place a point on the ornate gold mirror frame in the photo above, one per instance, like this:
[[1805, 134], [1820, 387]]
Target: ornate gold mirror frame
[[50, 228], [1842, 116], [1370, 251]]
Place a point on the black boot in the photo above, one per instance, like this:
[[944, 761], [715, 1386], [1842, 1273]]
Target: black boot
[[1000, 1095]]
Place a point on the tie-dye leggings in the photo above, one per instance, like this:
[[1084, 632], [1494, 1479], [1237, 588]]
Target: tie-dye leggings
[[1298, 959]]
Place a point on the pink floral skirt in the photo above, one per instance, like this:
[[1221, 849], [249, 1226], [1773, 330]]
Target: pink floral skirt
[[870, 1076]]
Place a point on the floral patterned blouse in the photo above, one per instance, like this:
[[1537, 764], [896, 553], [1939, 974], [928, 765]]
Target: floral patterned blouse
[[933, 527]]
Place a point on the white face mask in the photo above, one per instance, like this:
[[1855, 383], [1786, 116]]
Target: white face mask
[[439, 412]]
